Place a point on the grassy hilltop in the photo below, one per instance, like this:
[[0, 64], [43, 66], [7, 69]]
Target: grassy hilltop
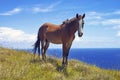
[[19, 65]]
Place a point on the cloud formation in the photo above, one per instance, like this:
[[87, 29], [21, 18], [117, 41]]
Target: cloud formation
[[104, 19], [118, 33], [13, 37], [111, 22], [35, 9], [45, 9], [11, 12]]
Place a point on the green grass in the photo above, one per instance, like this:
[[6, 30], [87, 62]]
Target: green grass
[[19, 65]]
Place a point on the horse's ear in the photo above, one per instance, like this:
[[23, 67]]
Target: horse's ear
[[83, 15], [77, 15]]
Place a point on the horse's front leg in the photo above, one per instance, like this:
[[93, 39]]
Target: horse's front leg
[[68, 45], [63, 53], [66, 48]]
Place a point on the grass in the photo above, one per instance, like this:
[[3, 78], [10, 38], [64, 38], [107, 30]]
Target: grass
[[19, 65]]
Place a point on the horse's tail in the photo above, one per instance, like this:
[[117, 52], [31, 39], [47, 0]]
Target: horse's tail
[[37, 45]]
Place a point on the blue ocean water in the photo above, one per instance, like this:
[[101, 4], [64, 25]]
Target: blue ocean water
[[107, 58]]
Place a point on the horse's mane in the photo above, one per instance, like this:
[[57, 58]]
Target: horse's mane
[[68, 21]]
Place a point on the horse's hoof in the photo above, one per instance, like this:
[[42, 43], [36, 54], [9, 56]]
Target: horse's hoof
[[43, 61], [66, 63], [62, 63]]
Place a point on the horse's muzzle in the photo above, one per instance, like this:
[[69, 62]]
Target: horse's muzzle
[[80, 34]]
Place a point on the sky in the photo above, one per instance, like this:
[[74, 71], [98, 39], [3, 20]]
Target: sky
[[21, 19]]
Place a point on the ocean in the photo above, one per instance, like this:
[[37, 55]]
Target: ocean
[[106, 58]]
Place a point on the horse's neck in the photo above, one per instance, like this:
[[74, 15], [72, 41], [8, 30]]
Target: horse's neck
[[73, 25], [71, 28]]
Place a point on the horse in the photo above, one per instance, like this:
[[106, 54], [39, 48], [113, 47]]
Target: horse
[[59, 34]]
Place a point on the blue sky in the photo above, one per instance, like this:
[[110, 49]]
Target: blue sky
[[21, 19]]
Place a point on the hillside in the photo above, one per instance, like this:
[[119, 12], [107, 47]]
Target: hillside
[[19, 65]]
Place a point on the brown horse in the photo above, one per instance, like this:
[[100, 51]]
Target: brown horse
[[59, 34]]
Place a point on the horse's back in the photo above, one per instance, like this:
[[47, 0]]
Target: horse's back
[[49, 27], [51, 32], [52, 26]]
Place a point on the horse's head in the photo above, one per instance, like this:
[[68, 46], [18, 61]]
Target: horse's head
[[80, 24]]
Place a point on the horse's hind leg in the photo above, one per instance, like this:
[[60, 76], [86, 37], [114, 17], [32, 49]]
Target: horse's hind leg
[[42, 49], [46, 47], [39, 51]]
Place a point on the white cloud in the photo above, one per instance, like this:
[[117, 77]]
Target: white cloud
[[116, 12], [96, 42], [116, 27], [11, 12], [96, 18], [93, 18], [38, 9], [114, 23], [46, 9], [118, 33], [34, 9], [118, 30], [94, 15], [111, 22], [104, 22], [15, 37]]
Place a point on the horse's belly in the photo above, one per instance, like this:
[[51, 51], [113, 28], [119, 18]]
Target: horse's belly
[[56, 39]]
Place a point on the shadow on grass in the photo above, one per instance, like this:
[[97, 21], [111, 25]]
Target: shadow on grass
[[52, 61], [38, 60], [59, 67], [35, 61], [62, 68]]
